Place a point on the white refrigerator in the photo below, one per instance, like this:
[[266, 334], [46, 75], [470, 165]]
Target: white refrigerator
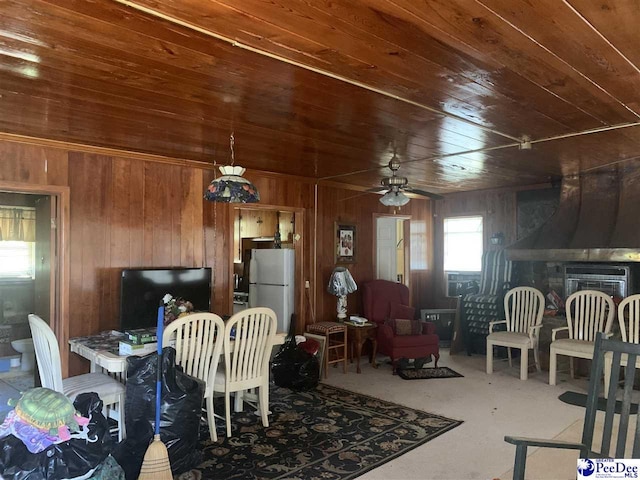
[[271, 282]]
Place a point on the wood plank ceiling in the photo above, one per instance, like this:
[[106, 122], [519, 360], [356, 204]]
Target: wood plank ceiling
[[330, 89]]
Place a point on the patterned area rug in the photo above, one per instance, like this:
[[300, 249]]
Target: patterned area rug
[[423, 373], [327, 433]]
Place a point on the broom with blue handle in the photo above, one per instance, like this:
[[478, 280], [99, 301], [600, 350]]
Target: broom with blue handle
[[155, 465]]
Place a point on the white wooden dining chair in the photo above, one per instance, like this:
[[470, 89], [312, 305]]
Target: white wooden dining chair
[[246, 360], [523, 309], [198, 342], [110, 391], [629, 321], [588, 312]]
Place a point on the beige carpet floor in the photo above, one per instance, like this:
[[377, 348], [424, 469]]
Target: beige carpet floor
[[554, 464], [491, 407]]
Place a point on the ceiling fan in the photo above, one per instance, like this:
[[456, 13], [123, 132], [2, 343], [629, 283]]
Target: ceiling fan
[[395, 186]]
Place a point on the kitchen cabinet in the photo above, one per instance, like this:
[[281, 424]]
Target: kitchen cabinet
[[257, 223], [286, 227], [249, 223]]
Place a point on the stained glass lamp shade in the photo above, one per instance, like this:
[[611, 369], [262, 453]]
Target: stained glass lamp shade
[[232, 187]]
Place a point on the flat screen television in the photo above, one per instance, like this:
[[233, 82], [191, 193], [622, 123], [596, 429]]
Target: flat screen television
[[142, 289]]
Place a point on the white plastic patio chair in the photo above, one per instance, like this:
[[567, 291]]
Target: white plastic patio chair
[[588, 312], [246, 361], [629, 321], [198, 342], [110, 391], [523, 309]]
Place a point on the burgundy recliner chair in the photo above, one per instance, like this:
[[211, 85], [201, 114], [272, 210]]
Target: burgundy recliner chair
[[381, 299]]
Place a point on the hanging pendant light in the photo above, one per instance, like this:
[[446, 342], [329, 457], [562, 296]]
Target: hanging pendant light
[[232, 187]]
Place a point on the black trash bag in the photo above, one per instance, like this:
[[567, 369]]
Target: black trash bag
[[181, 411], [295, 368], [69, 459]]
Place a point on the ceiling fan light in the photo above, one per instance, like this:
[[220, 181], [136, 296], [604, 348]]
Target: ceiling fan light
[[394, 199]]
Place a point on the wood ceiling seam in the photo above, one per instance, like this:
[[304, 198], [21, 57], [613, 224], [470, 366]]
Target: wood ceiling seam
[[394, 71], [187, 119], [601, 35], [556, 56], [499, 147], [215, 123], [461, 42], [168, 74], [563, 120], [319, 71], [426, 159], [591, 131]]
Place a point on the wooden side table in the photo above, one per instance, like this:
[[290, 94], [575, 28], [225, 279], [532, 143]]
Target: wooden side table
[[357, 335], [335, 345]]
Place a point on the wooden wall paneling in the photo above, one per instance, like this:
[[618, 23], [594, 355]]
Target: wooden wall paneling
[[191, 231], [126, 228], [90, 212], [161, 188], [224, 265], [89, 186], [347, 206], [421, 244], [33, 164], [217, 221], [501, 218], [57, 166]]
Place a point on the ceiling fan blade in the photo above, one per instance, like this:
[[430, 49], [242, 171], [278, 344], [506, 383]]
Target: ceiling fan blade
[[354, 196], [434, 196], [377, 190]]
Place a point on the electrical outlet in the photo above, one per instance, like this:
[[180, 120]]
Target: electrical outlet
[[306, 284]]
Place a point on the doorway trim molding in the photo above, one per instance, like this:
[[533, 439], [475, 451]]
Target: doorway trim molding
[[298, 247], [60, 288]]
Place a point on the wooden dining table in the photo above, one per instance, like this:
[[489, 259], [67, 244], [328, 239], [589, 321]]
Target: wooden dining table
[[102, 350]]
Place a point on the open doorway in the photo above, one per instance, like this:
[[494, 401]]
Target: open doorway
[[274, 229], [26, 253], [392, 248], [43, 287]]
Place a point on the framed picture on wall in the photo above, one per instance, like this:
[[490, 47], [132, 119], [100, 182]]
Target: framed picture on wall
[[345, 246]]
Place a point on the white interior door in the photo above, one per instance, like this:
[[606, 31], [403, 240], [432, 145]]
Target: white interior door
[[386, 241]]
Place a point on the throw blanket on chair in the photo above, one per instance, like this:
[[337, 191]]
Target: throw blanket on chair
[[487, 304]]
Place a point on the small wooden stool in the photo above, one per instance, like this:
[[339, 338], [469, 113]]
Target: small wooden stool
[[336, 345]]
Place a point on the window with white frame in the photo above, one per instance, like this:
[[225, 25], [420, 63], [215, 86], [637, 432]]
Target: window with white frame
[[17, 259], [463, 243]]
